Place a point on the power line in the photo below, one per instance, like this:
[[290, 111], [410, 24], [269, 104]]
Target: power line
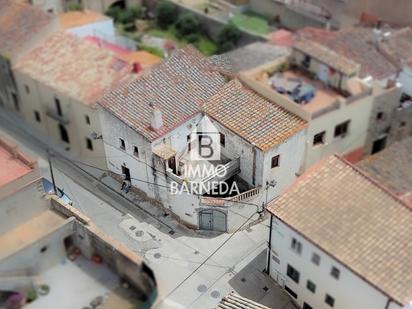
[[209, 257]]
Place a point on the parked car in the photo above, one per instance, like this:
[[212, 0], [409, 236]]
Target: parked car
[[48, 188]]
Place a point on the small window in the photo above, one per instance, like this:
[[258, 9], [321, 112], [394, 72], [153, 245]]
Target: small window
[[188, 138], [122, 144], [342, 129], [275, 161], [222, 139], [293, 274], [136, 151], [315, 259], [43, 249], [37, 116], [311, 286], [291, 292], [89, 143], [329, 300], [296, 246], [58, 106], [402, 124], [379, 116], [335, 272], [15, 101], [64, 135], [87, 119], [306, 306], [26, 87], [319, 138]]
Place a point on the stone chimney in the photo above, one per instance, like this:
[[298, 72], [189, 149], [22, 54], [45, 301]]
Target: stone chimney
[[157, 118]]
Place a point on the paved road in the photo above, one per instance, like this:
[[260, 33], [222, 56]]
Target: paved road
[[172, 255]]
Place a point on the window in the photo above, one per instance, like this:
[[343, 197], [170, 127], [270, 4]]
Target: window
[[63, 134], [306, 306], [37, 116], [306, 61], [89, 143], [222, 139], [296, 245], [15, 101], [27, 89], [43, 249], [275, 161], [402, 124], [136, 151], [342, 129], [311, 286], [275, 259], [315, 259], [379, 116], [87, 119], [293, 274], [291, 292], [58, 106], [329, 300], [122, 144], [335, 272], [319, 138]]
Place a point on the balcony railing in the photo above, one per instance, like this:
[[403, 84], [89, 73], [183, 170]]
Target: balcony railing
[[60, 118]]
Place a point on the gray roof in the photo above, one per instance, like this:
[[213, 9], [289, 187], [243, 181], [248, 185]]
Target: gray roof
[[177, 87], [254, 55], [392, 167]]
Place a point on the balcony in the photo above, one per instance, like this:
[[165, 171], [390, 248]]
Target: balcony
[[60, 118], [205, 174]]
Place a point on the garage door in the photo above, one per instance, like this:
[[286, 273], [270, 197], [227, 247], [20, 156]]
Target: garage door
[[212, 220]]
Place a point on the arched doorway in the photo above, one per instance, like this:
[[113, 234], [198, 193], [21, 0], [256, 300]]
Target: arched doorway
[[214, 220]]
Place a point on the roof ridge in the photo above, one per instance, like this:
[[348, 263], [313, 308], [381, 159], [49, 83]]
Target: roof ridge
[[373, 181]]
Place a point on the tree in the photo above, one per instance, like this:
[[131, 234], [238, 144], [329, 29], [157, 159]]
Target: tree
[[125, 16], [166, 13], [187, 25], [228, 37]]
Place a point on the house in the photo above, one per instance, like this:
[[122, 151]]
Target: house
[[392, 167], [338, 239], [21, 27], [381, 53], [153, 126], [323, 88], [60, 83], [43, 239]]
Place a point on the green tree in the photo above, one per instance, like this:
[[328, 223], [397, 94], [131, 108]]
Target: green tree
[[228, 37], [74, 6], [125, 16], [187, 25], [166, 13]]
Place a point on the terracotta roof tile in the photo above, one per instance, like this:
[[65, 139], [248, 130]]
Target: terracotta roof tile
[[177, 87], [75, 67], [354, 220], [251, 116], [79, 18], [18, 22]]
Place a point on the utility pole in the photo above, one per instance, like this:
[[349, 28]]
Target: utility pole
[[51, 170], [267, 270]]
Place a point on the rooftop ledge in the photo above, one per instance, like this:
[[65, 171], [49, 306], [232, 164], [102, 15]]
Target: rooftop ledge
[[324, 100]]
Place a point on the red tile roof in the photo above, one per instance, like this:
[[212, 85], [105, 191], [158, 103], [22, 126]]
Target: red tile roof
[[19, 21], [251, 116], [75, 67], [177, 87], [13, 164], [356, 221]]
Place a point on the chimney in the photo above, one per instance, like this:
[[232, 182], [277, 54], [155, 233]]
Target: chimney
[[157, 119], [136, 67]]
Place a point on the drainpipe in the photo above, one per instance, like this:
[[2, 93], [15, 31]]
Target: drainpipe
[[254, 165], [267, 270]]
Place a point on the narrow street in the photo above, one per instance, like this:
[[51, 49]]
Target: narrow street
[[172, 251]]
